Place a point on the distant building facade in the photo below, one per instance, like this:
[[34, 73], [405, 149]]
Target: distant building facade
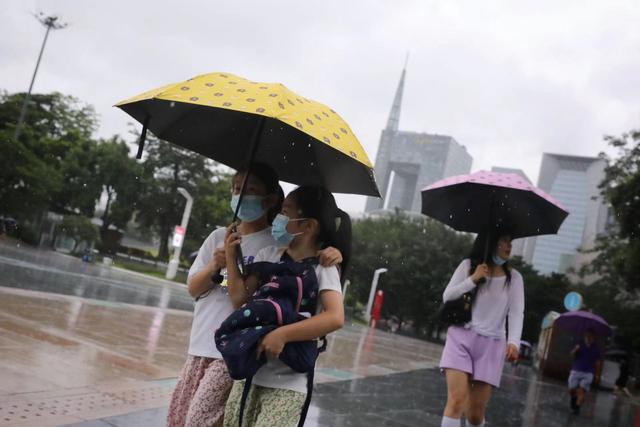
[[573, 181], [406, 162]]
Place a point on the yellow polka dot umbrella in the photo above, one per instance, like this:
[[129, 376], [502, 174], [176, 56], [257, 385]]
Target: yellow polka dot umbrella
[[236, 121]]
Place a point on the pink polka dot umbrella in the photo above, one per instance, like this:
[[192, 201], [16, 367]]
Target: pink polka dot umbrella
[[493, 202]]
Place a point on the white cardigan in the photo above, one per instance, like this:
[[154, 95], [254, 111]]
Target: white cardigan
[[494, 302]]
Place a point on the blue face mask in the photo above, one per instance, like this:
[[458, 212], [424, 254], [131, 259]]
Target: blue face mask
[[251, 208], [279, 230], [497, 260]]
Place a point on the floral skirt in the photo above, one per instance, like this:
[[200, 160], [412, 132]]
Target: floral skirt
[[201, 394], [265, 407]]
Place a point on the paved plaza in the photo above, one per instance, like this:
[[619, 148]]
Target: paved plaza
[[89, 345]]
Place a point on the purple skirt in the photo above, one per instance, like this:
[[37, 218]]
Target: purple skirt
[[479, 356]]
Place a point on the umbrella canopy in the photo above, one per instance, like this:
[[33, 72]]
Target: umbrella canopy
[[488, 201], [579, 321], [233, 120]]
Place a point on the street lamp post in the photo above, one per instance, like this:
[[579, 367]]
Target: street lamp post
[[344, 290], [372, 293], [172, 269], [51, 22]]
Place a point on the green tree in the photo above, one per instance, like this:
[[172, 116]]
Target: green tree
[[79, 228], [616, 292], [119, 175], [50, 167], [420, 255], [210, 210], [165, 169], [541, 295]]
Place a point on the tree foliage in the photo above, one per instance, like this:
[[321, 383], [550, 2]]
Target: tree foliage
[[79, 228], [57, 165], [119, 175], [541, 295], [420, 255], [616, 292], [165, 169], [51, 166]]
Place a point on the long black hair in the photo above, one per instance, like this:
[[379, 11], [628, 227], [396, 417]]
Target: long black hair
[[269, 178], [481, 253], [335, 224]]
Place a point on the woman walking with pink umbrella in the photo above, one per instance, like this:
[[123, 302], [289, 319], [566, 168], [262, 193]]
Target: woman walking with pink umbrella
[[485, 291]]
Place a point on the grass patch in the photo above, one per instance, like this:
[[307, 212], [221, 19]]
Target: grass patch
[[149, 270]]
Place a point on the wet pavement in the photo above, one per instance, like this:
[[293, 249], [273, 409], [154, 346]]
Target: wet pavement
[[90, 345], [48, 271]]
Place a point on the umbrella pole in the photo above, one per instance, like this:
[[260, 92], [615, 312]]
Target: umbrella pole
[[255, 141], [488, 238], [143, 137]]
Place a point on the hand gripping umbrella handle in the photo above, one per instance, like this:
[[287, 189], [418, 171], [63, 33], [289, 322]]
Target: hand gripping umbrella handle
[[217, 277]]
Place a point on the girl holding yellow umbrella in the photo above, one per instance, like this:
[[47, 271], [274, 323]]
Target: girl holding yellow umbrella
[[235, 121]]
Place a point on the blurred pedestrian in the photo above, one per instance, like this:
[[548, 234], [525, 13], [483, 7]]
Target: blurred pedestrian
[[474, 353], [623, 378], [585, 357]]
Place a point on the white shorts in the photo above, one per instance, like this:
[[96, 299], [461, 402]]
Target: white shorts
[[580, 379]]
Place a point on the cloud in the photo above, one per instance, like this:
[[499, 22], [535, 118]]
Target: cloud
[[507, 80]]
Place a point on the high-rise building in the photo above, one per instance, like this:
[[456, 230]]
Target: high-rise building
[[573, 181], [407, 162], [518, 245]]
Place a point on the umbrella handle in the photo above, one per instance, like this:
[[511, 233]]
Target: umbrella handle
[[217, 277]]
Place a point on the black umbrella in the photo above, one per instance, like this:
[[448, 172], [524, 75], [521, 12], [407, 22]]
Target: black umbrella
[[488, 202]]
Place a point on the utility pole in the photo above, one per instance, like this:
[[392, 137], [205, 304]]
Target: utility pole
[[51, 22]]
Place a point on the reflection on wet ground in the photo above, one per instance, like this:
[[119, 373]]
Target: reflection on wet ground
[[417, 399], [48, 271], [89, 344]]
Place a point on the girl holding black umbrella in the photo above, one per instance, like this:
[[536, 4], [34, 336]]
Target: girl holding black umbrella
[[475, 352], [484, 290]]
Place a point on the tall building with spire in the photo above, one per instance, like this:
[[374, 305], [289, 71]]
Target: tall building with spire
[[407, 162]]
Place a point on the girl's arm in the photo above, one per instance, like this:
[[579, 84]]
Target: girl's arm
[[240, 288], [200, 282], [460, 282], [516, 309], [331, 319]]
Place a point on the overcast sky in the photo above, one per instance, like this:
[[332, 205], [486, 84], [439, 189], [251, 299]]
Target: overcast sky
[[507, 81]]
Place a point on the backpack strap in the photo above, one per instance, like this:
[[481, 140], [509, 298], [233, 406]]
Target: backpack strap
[[307, 401], [243, 399]]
